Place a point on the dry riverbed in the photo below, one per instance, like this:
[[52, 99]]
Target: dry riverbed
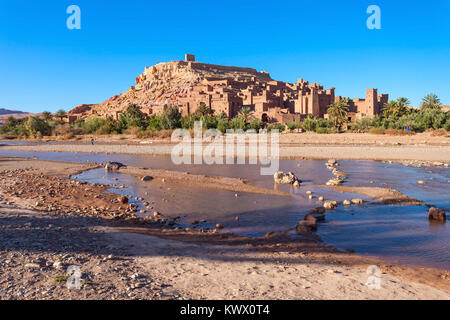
[[48, 222]]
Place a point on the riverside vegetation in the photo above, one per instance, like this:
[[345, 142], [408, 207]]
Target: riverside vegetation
[[397, 118]]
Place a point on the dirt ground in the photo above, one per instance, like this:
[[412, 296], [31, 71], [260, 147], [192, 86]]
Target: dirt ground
[[122, 257]]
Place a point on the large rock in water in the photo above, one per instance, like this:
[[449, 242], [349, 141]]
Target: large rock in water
[[113, 166], [286, 178], [435, 214], [305, 226]]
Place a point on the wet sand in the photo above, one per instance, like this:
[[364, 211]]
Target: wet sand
[[383, 195], [222, 265], [209, 182]]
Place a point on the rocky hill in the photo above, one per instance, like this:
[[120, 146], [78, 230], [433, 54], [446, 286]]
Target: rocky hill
[[167, 84]]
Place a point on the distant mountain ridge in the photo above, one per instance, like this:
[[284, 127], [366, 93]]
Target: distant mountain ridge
[[6, 111]]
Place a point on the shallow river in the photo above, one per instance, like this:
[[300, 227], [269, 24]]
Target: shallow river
[[399, 234]]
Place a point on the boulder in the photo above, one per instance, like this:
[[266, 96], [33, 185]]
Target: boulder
[[314, 217], [286, 178], [436, 214], [318, 210], [329, 205], [306, 226], [332, 162], [357, 201], [113, 166], [156, 214], [271, 234], [346, 203], [123, 200], [146, 178], [339, 173], [335, 181]]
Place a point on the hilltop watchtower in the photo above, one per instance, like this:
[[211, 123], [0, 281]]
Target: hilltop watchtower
[[189, 58]]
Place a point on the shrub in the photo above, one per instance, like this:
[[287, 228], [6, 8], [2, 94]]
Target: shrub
[[92, 124], [187, 122], [154, 123], [309, 124], [110, 126], [363, 125], [210, 122], [37, 127], [293, 125], [170, 118], [66, 131], [325, 130], [237, 123], [376, 131], [276, 126], [132, 117], [223, 125], [322, 130], [397, 132], [162, 134], [255, 124], [439, 133], [447, 124]]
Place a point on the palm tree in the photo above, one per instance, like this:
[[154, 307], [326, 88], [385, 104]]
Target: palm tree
[[61, 114], [246, 113], [338, 112], [46, 115], [396, 108], [430, 101], [204, 111]]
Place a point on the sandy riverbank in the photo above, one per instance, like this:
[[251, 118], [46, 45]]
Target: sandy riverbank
[[124, 259]]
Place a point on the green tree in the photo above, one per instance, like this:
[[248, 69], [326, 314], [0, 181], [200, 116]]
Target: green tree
[[338, 112], [36, 126], [61, 114], [255, 124], [187, 122], [237, 123], [109, 126], [47, 116], [395, 109], [171, 118], [246, 114], [430, 101], [223, 125], [132, 117], [92, 125], [293, 125], [203, 111], [154, 123]]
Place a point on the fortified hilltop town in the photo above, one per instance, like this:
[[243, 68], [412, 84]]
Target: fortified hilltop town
[[188, 84]]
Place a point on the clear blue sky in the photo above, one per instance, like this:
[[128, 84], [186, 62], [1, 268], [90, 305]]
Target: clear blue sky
[[43, 65]]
